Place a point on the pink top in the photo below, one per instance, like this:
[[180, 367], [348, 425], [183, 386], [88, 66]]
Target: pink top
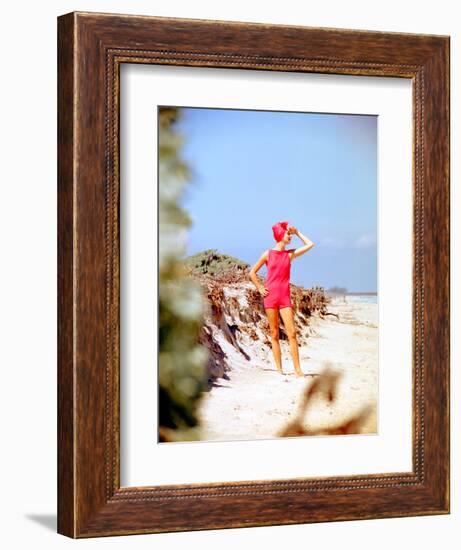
[[278, 278]]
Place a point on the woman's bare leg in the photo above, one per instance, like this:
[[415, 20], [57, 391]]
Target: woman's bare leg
[[289, 324], [273, 317]]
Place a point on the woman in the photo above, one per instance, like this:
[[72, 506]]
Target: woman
[[276, 293]]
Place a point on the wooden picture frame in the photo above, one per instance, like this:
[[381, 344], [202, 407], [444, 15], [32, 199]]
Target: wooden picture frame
[[91, 48]]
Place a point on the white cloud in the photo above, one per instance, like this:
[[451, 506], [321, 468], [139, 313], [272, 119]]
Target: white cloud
[[366, 240]]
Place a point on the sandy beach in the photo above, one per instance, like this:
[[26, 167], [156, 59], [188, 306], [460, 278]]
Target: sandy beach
[[257, 402]]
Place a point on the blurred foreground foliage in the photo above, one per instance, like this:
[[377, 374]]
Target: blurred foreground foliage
[[325, 387], [182, 360]]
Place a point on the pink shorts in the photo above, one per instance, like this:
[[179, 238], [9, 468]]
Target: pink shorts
[[272, 300]]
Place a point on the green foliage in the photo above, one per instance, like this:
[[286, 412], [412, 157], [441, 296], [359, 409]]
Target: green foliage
[[211, 261], [182, 360]]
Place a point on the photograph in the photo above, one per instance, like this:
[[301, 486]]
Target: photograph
[[268, 274]]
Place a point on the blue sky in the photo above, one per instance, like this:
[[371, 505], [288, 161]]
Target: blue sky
[[251, 169]]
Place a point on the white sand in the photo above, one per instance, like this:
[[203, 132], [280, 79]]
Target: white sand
[[257, 401]]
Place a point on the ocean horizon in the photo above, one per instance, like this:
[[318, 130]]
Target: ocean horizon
[[363, 298]]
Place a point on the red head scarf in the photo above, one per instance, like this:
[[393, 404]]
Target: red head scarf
[[279, 230]]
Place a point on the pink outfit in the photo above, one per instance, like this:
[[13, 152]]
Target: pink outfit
[[278, 279]]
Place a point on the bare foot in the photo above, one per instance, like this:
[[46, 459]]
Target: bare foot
[[299, 374]]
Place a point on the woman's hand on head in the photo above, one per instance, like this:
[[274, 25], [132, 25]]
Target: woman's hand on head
[[263, 290], [293, 230]]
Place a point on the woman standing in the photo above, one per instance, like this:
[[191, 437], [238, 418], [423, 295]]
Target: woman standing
[[276, 293]]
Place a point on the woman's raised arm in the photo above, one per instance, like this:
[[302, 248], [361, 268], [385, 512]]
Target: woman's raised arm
[[308, 244]]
